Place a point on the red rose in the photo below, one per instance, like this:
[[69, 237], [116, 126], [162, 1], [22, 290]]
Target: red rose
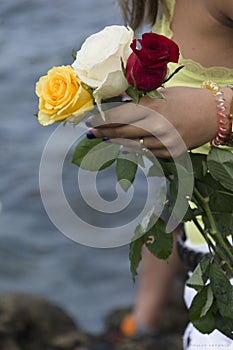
[[147, 65]]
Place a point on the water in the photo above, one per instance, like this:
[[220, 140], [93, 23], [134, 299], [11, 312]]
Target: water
[[34, 256]]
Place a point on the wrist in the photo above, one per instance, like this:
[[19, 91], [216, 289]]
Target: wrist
[[223, 99]]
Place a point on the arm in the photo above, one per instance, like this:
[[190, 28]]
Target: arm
[[191, 111]]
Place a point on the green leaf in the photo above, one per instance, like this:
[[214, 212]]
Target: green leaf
[[220, 283], [135, 255], [191, 214], [178, 212], [219, 200], [126, 169], [155, 171], [94, 154], [209, 302], [225, 193], [138, 240], [224, 325], [199, 164], [147, 222], [206, 324], [162, 242], [224, 222], [205, 268], [168, 166], [196, 281], [140, 160], [173, 168], [222, 290], [82, 148], [198, 277], [73, 54], [155, 94], [220, 164], [134, 93], [201, 306]]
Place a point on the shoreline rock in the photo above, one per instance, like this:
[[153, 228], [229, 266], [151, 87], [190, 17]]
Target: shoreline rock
[[31, 322]]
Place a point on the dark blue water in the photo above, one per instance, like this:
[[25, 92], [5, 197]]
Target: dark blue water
[[34, 255]]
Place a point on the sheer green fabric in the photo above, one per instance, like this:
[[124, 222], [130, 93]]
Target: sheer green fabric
[[192, 75]]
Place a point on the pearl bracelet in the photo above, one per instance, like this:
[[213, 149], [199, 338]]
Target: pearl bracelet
[[224, 133]]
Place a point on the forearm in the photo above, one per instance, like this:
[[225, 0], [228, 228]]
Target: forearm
[[192, 111]]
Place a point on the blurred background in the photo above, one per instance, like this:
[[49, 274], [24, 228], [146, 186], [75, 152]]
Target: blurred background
[[34, 256]]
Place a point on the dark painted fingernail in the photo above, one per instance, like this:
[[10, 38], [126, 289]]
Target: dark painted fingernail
[[124, 151], [88, 122], [90, 135], [105, 139]]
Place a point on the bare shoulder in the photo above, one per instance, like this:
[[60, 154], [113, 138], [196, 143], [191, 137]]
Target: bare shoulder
[[221, 10]]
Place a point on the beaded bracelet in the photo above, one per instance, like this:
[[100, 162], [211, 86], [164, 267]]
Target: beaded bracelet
[[231, 118], [224, 133]]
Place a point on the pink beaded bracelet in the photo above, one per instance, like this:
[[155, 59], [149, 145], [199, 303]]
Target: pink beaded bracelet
[[224, 133], [231, 119]]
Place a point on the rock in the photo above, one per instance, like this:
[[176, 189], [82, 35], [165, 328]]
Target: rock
[[30, 322], [173, 319], [148, 343], [8, 344], [73, 340], [171, 327]]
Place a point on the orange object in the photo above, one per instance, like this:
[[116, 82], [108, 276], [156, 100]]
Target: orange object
[[128, 326]]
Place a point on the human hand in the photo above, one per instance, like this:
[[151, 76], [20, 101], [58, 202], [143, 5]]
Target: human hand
[[187, 114]]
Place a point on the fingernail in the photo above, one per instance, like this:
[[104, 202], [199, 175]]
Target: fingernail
[[105, 139], [88, 122], [90, 135]]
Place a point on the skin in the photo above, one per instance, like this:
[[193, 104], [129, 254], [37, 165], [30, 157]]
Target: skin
[[144, 121], [208, 21]]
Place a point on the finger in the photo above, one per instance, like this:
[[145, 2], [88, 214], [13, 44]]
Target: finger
[[140, 145], [136, 129], [161, 153], [125, 113], [148, 146], [132, 146], [152, 143], [125, 131], [150, 122]]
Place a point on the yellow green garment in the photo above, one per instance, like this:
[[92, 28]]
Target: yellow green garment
[[192, 75]]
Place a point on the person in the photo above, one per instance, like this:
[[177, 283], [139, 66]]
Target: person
[[203, 30]]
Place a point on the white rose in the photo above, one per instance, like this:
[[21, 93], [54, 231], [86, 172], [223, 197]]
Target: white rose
[[98, 62]]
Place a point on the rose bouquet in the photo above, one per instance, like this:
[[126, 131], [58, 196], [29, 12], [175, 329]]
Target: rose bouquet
[[108, 64], [111, 63]]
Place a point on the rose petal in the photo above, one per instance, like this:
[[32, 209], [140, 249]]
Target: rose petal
[[114, 85]]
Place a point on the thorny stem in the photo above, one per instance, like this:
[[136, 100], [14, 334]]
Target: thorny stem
[[213, 231], [213, 247], [203, 232]]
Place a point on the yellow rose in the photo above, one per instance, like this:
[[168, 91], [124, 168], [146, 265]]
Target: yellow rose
[[61, 94]]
